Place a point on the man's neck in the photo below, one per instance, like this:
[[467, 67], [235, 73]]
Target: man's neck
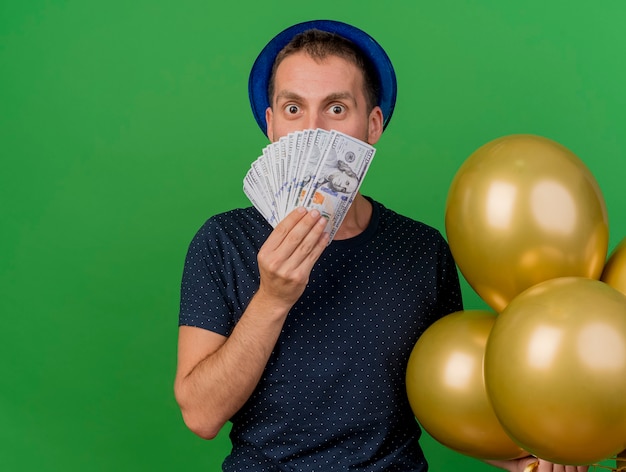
[[356, 220]]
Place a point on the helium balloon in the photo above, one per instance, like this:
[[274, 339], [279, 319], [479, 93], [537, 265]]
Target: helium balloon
[[614, 272], [555, 370], [446, 390], [523, 209]]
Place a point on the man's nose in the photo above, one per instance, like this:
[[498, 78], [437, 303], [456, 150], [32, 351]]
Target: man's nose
[[314, 121]]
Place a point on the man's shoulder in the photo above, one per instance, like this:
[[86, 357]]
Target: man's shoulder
[[393, 219], [236, 217], [239, 223]]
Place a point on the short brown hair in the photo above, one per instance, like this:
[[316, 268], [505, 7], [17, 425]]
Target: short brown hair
[[321, 44]]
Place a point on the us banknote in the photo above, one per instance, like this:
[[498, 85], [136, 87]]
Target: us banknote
[[316, 169]]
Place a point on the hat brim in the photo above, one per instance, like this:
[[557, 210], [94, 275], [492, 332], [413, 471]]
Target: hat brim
[[262, 68]]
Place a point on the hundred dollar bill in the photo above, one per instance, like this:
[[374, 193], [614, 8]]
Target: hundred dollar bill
[[338, 177], [310, 161], [293, 149], [261, 179], [250, 188], [300, 152]]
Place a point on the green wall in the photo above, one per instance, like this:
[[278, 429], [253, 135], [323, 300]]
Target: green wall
[[124, 125]]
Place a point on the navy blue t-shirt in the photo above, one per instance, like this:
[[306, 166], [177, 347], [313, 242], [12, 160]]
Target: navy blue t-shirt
[[332, 396]]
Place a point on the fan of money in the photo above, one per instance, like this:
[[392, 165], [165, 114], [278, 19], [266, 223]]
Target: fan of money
[[313, 168]]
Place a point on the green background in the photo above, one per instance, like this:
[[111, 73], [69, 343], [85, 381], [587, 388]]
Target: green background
[[124, 125]]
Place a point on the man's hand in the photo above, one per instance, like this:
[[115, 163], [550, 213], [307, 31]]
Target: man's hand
[[532, 464], [287, 257]]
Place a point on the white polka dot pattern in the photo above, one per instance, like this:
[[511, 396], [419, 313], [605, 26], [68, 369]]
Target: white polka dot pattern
[[333, 394]]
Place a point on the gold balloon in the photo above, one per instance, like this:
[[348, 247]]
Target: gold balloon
[[523, 209], [446, 390], [555, 370], [614, 272]]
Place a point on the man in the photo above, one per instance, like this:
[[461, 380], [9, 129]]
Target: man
[[300, 343]]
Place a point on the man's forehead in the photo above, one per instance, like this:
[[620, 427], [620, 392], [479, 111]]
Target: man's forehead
[[342, 79], [304, 59]]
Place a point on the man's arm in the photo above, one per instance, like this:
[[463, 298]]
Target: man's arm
[[215, 374]]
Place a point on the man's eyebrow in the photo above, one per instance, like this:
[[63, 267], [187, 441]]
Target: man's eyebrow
[[341, 96], [288, 95]]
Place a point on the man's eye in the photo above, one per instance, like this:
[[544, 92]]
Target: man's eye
[[336, 109], [292, 109]]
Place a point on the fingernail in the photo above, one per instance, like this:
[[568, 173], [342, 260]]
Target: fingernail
[[326, 237], [315, 213]]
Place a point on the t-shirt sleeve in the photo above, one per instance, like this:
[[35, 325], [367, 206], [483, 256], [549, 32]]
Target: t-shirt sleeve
[[203, 300]]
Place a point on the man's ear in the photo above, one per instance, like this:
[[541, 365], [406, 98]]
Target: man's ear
[[270, 125], [375, 125]]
